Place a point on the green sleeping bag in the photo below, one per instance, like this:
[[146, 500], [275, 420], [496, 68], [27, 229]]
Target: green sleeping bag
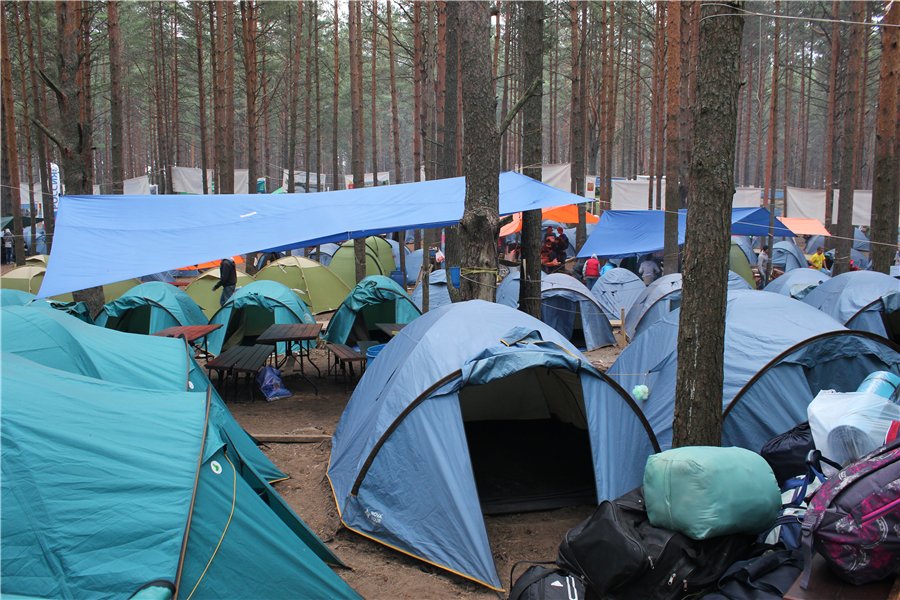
[[705, 492]]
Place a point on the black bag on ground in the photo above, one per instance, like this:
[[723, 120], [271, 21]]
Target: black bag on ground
[[765, 577], [786, 453], [620, 555], [546, 583]]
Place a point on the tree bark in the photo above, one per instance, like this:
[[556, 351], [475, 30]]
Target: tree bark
[[532, 153], [395, 125], [307, 101], [479, 225], [886, 188], [504, 105], [701, 335], [42, 152], [335, 98], [673, 137], [9, 124], [418, 60], [357, 150], [197, 9], [29, 166], [577, 123], [373, 102], [248, 29], [848, 151], [772, 137], [227, 175], [830, 118]]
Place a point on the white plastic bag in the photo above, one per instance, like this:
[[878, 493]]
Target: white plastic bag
[[845, 426]]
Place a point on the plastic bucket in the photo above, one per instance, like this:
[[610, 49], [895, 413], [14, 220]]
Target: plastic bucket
[[399, 278], [880, 383], [372, 352], [454, 276]]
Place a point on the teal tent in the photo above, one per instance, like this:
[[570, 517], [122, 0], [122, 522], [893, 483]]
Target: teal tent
[[9, 297], [78, 310], [375, 299], [108, 489], [55, 339], [251, 310], [150, 307]]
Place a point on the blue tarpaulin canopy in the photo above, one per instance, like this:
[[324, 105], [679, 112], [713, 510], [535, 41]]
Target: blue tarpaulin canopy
[[628, 232], [127, 236]]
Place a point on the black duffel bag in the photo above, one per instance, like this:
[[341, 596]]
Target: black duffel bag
[[620, 555], [786, 452]]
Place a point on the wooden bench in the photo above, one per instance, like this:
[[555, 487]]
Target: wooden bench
[[344, 355], [246, 360]]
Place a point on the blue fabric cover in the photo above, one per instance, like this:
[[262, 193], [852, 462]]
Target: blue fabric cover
[[169, 307], [853, 299], [617, 290], [413, 266], [372, 290], [787, 256], [276, 298], [563, 298], [796, 279], [130, 236], [759, 326], [419, 493], [628, 232], [438, 294]]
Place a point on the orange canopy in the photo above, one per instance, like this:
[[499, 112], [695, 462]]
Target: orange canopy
[[238, 260], [805, 226], [561, 214]]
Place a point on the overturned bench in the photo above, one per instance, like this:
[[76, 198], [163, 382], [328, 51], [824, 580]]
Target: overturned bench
[[343, 355], [240, 360]]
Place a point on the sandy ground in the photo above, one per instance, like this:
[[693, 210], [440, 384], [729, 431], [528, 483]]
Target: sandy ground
[[376, 571]]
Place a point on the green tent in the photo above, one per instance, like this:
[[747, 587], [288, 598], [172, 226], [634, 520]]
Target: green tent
[[379, 260], [63, 342], [150, 307], [29, 279], [201, 290], [251, 310], [108, 489], [375, 299], [319, 288], [38, 259], [737, 262]]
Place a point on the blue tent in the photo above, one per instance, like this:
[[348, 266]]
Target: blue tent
[[438, 294], [471, 407], [413, 266], [99, 237], [323, 256], [860, 242], [108, 488], [628, 232], [375, 299], [862, 300], [859, 259], [251, 310], [617, 290], [798, 281], [746, 247], [10, 297], [395, 250], [779, 353], [563, 300], [63, 342], [662, 297], [150, 307], [787, 256]]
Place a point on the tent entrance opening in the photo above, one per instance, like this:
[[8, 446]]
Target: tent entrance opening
[[246, 324], [528, 441]]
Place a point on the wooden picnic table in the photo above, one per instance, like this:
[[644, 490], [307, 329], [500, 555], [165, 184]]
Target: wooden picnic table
[[391, 329], [289, 334], [237, 360], [190, 334]]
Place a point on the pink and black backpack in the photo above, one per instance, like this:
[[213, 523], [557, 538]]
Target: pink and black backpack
[[853, 520]]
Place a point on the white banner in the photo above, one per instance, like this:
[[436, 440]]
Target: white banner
[[559, 176], [138, 186], [747, 197], [300, 180], [384, 178], [806, 203], [187, 180], [631, 194]]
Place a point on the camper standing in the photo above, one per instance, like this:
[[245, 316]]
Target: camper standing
[[7, 246], [762, 264], [649, 270], [591, 271], [227, 280]]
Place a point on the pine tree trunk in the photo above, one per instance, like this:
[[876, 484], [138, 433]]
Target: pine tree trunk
[[395, 124], [26, 120], [886, 188], [504, 105], [418, 59], [772, 137], [532, 153], [673, 137], [227, 174], [307, 99], [42, 152], [577, 123], [248, 29], [701, 335], [830, 118], [335, 99], [357, 159], [320, 180], [374, 94], [848, 152], [479, 225], [9, 124], [197, 9], [748, 107], [451, 122]]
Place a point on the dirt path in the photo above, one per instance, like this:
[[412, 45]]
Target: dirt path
[[376, 571]]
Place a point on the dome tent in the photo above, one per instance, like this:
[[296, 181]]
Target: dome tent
[[63, 342], [79, 310], [379, 260], [739, 265], [796, 281], [375, 299], [433, 432], [862, 300], [616, 291], [787, 256], [779, 353], [743, 242], [323, 256], [201, 289], [319, 288], [150, 307], [138, 498], [563, 300], [251, 310], [438, 294], [413, 266], [10, 297], [30, 277]]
